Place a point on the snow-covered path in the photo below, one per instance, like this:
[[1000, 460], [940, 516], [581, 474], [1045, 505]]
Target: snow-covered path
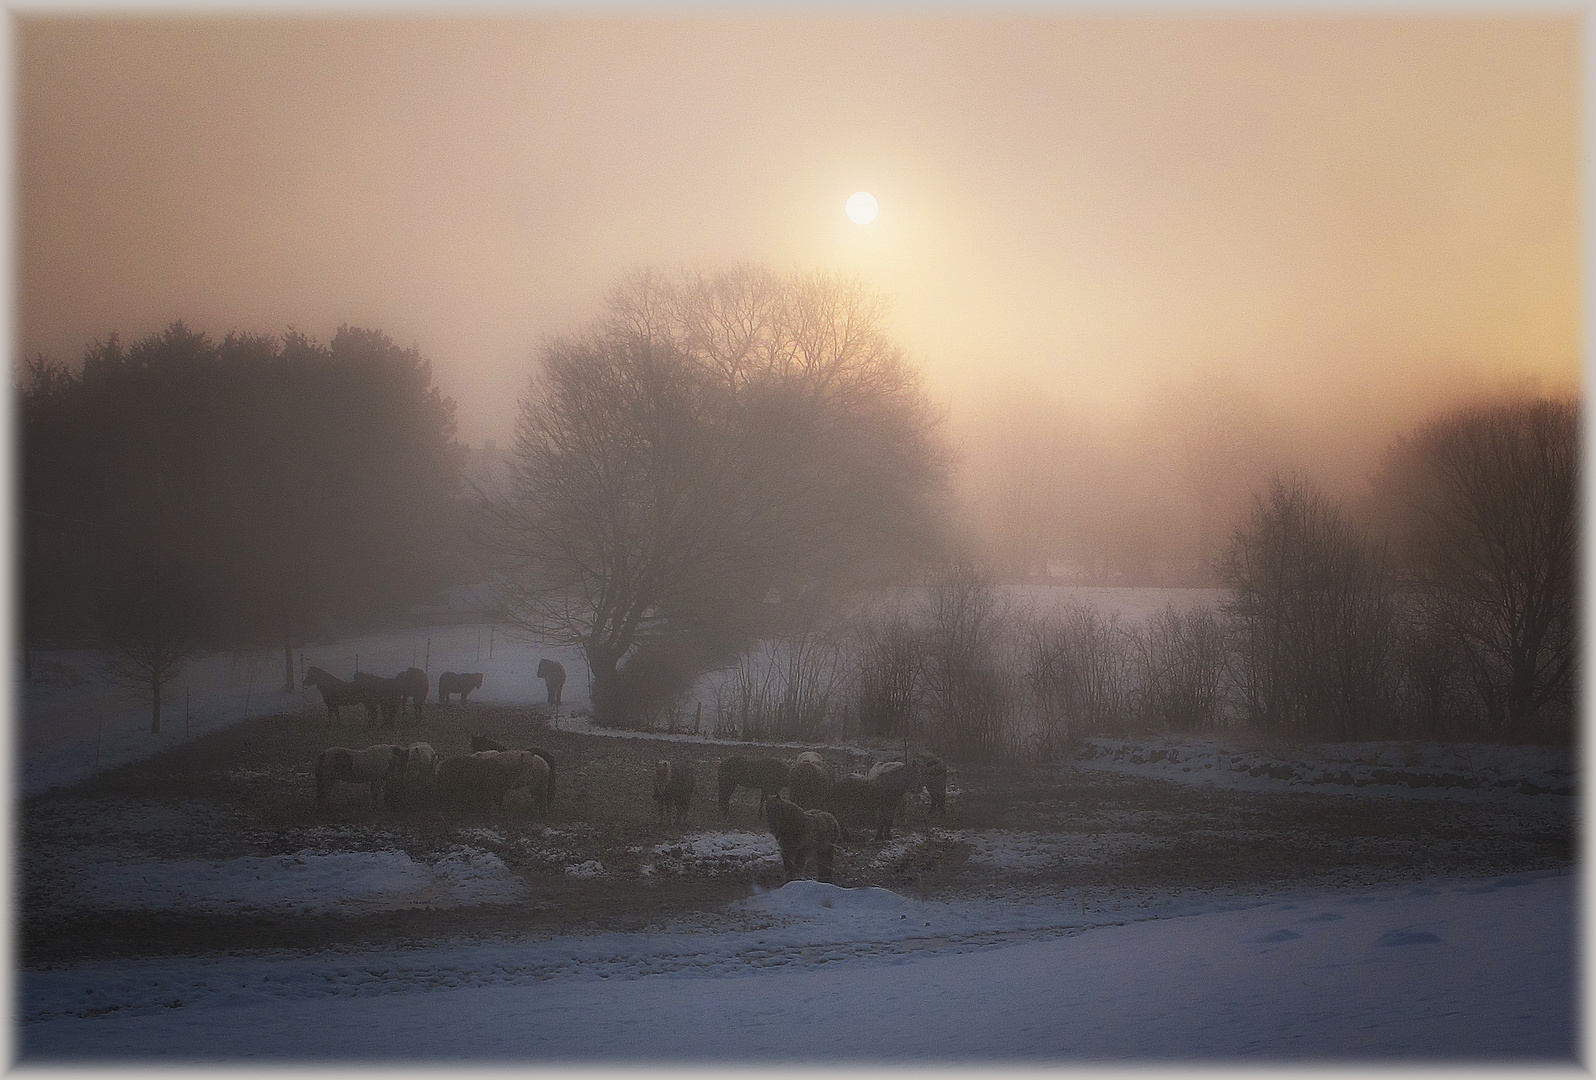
[[1451, 972]]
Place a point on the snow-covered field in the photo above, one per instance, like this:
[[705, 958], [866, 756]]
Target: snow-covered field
[[1475, 971], [1447, 972], [70, 732]]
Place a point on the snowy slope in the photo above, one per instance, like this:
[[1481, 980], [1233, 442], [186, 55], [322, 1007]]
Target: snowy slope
[[71, 732], [1477, 971]]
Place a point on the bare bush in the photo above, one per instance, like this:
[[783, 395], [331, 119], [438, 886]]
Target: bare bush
[[795, 690], [1077, 671], [972, 692], [889, 680], [1312, 619], [1180, 656], [1435, 697]]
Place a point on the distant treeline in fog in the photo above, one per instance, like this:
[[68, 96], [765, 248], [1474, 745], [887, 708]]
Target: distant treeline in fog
[[730, 458]]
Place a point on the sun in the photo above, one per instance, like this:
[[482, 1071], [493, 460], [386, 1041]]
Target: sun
[[862, 208]]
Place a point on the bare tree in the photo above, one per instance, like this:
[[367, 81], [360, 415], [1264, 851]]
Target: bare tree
[[889, 679], [150, 619], [1077, 672], [1312, 615], [971, 689], [1181, 655], [709, 440], [1482, 504]]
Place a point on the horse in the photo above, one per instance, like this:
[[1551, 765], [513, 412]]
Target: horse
[[416, 777], [381, 696], [860, 799], [373, 765], [413, 687], [451, 682], [922, 772], [673, 788], [765, 774], [552, 672], [470, 779], [809, 781], [334, 691], [482, 742], [802, 834], [483, 778]]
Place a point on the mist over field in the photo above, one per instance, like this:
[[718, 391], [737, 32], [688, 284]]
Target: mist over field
[[803, 515]]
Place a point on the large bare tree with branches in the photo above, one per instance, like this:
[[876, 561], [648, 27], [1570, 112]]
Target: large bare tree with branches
[[714, 442], [1483, 506]]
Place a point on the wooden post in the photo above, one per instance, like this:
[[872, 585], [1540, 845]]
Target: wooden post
[[185, 712], [99, 732], [428, 668], [491, 628]]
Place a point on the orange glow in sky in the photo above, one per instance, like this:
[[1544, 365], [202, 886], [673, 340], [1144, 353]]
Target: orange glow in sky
[[1345, 213]]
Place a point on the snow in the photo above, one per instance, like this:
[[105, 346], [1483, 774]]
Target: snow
[[1444, 972], [810, 973], [70, 732], [345, 882], [1408, 770]]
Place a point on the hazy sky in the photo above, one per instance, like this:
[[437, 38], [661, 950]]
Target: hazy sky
[[1339, 212]]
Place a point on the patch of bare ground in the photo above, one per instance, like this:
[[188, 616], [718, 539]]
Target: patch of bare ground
[[599, 859]]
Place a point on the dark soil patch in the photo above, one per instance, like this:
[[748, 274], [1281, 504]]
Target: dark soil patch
[[248, 791]]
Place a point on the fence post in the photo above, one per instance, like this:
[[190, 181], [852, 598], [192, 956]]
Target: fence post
[[428, 668], [491, 628], [99, 733], [185, 712]]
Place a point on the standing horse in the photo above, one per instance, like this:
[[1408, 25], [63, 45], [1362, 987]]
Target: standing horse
[[482, 742], [413, 687], [382, 696], [452, 682], [673, 789], [809, 781], [415, 779], [374, 765], [766, 775], [552, 672], [802, 834], [335, 693], [861, 800]]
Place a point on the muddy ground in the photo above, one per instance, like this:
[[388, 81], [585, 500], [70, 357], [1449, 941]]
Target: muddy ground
[[1015, 831]]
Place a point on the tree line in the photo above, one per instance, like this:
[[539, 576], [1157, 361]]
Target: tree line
[[722, 459], [1445, 608], [182, 493]]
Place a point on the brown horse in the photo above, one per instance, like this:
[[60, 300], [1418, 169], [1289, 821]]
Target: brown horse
[[335, 693], [861, 800], [482, 742], [765, 775], [552, 672], [802, 834], [373, 765], [809, 781], [381, 696], [413, 687], [673, 789], [452, 682]]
